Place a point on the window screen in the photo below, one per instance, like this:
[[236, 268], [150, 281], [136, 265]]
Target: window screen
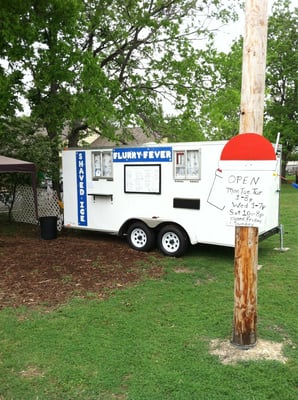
[[102, 166], [187, 164]]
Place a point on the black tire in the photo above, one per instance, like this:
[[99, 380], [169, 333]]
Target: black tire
[[172, 240], [140, 237]]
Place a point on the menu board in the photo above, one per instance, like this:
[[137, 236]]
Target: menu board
[[142, 178]]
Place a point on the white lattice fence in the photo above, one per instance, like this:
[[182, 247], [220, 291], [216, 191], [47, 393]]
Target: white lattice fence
[[48, 205]]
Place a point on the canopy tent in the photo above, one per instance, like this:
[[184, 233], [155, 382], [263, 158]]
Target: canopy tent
[[8, 164]]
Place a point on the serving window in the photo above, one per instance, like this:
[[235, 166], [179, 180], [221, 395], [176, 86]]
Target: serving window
[[187, 164], [102, 166]]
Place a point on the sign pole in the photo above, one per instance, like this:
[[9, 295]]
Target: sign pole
[[251, 120]]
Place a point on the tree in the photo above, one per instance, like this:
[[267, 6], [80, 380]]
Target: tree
[[12, 47], [282, 79], [107, 64], [220, 112], [21, 139]]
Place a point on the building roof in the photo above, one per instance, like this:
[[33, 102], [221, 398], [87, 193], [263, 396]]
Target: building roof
[[133, 137]]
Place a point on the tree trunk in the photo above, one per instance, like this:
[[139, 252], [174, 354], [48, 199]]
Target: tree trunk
[[74, 135]]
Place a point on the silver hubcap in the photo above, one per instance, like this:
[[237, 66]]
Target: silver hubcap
[[138, 237], [170, 242]]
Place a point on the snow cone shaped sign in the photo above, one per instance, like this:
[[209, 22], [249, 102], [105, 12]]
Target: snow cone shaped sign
[[247, 175]]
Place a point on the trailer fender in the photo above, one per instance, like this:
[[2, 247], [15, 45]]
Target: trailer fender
[[156, 224], [152, 223]]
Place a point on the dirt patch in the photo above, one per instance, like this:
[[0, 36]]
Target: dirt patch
[[32, 372], [263, 350], [84, 264], [183, 270]]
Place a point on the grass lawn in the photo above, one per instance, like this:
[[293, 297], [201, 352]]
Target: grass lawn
[[151, 341]]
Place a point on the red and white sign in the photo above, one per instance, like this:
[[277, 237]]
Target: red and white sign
[[244, 179], [248, 146]]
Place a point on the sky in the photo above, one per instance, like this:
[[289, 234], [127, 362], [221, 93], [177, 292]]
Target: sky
[[236, 29]]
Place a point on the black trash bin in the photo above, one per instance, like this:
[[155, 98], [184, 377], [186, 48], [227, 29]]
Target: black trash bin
[[48, 227]]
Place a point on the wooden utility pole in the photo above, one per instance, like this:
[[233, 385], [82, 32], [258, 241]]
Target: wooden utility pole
[[251, 121]]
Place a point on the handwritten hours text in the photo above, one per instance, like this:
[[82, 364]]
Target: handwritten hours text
[[246, 203]]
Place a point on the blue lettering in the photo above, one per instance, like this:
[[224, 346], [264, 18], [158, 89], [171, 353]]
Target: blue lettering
[[146, 154], [81, 188]]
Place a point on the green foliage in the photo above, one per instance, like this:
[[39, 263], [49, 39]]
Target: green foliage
[[9, 87], [20, 138], [282, 78], [220, 110], [103, 65], [152, 341], [183, 128]]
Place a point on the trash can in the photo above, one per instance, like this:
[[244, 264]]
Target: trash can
[[48, 227]]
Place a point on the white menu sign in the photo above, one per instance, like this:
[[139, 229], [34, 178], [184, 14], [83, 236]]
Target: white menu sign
[[245, 197]]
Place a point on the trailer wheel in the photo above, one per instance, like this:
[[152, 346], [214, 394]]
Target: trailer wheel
[[140, 237], [172, 240]]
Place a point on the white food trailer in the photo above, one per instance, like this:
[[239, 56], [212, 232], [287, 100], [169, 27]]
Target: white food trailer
[[164, 195]]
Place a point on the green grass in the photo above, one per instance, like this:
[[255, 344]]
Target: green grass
[[151, 341]]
